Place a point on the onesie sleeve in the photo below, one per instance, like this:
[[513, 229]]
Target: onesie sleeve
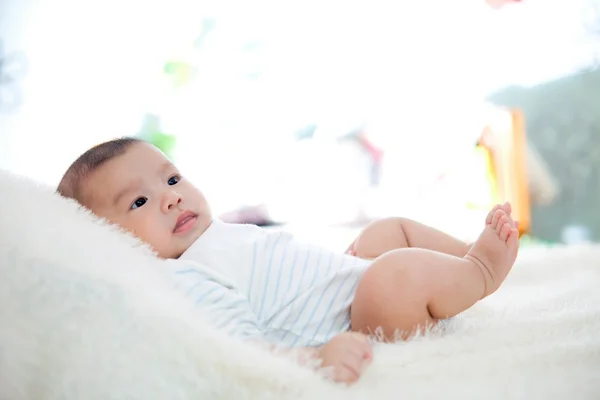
[[225, 307]]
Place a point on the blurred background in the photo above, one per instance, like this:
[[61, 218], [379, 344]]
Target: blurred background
[[322, 115]]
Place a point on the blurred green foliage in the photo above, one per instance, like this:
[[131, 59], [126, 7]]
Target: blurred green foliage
[[152, 133]]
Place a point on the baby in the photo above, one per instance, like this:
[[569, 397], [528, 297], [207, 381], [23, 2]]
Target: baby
[[264, 286]]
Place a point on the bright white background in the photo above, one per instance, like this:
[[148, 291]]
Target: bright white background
[[94, 71]]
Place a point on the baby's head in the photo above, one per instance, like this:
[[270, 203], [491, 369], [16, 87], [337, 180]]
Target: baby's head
[[132, 184]]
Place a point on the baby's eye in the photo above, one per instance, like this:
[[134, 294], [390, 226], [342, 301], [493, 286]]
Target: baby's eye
[[139, 202], [174, 180]]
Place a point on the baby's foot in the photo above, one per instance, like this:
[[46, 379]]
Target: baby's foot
[[506, 207], [495, 251]]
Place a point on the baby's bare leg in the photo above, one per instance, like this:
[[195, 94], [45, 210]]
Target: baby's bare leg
[[407, 289], [388, 234]]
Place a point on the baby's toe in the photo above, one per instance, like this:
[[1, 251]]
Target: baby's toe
[[513, 238], [501, 223], [488, 219], [505, 231], [506, 207], [511, 221], [498, 214]]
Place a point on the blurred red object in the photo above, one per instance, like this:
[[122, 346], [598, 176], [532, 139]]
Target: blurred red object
[[497, 4]]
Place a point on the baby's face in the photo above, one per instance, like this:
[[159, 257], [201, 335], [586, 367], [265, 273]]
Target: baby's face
[[145, 194]]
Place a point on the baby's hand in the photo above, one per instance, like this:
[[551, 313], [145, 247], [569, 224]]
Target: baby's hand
[[348, 354]]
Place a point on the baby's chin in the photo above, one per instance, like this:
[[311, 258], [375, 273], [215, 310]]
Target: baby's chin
[[177, 249], [173, 253], [201, 226]]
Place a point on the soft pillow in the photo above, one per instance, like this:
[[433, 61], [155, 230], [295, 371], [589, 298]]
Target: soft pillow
[[86, 312]]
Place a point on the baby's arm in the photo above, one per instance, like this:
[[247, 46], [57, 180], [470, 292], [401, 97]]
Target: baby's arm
[[389, 234]]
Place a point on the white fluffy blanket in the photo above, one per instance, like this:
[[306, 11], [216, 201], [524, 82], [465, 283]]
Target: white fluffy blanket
[[86, 313]]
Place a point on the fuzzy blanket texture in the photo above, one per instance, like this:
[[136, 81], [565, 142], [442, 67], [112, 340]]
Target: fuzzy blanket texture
[[87, 312]]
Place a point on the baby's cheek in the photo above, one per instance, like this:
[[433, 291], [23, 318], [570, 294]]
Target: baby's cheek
[[143, 230]]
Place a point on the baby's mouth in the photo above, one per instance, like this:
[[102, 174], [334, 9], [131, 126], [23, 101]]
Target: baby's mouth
[[185, 222]]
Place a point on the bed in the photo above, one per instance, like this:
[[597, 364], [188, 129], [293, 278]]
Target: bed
[[85, 313]]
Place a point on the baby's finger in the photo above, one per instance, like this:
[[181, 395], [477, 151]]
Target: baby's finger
[[364, 349], [353, 366], [357, 359], [368, 352], [345, 374], [362, 345], [355, 356]]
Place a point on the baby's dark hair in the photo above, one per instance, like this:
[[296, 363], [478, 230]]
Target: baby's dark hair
[[70, 185]]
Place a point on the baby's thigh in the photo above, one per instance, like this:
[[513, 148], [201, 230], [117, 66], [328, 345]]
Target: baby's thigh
[[388, 301], [378, 238]]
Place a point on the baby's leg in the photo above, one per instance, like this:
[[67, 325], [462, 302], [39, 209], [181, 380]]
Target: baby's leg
[[407, 289], [387, 234]]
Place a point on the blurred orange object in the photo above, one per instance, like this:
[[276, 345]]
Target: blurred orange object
[[505, 139]]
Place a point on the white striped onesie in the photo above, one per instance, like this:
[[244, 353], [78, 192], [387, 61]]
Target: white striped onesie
[[263, 284]]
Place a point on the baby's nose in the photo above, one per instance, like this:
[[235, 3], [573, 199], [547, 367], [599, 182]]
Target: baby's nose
[[171, 200]]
